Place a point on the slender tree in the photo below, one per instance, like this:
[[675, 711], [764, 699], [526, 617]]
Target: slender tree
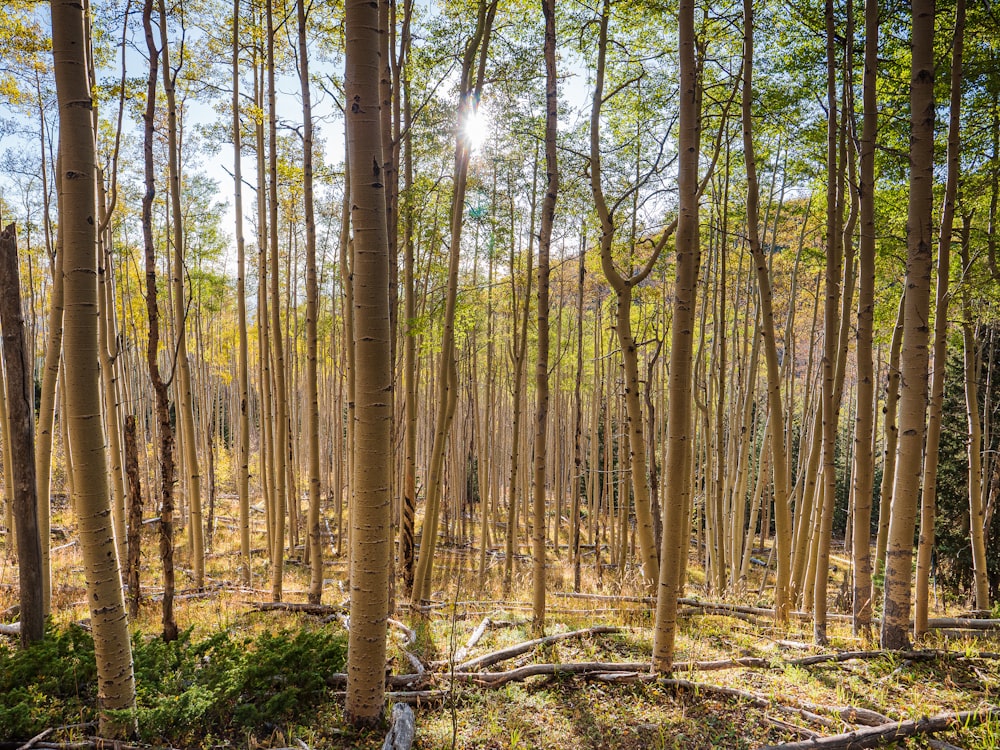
[[679, 420], [242, 367], [914, 356], [312, 308], [864, 424], [779, 455], [542, 362], [941, 300], [21, 423], [370, 515], [78, 225]]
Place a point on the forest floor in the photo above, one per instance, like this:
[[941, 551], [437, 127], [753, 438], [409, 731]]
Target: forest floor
[[740, 682]]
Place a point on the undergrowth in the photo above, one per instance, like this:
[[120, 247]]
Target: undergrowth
[[223, 687]]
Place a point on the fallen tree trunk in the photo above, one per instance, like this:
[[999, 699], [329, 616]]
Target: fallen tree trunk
[[521, 648], [894, 731], [309, 609]]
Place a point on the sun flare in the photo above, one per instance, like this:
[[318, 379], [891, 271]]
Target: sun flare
[[476, 128]]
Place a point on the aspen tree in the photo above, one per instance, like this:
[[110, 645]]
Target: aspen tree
[[542, 362], [312, 307], [242, 367], [78, 225], [519, 353], [280, 441], [779, 455], [864, 425], [890, 431], [46, 412], [408, 500], [165, 427], [19, 393], [913, 357], [578, 475], [371, 511], [974, 447], [941, 299], [623, 286], [679, 422], [185, 403], [472, 79]]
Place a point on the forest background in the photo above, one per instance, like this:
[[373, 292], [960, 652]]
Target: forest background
[[696, 236]]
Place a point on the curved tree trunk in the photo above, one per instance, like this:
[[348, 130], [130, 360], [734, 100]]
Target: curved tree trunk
[[470, 88], [623, 287], [779, 455], [182, 368]]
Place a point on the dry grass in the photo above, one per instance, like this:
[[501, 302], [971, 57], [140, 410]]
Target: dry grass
[[569, 713]]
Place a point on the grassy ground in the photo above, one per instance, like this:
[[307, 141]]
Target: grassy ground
[[567, 713]]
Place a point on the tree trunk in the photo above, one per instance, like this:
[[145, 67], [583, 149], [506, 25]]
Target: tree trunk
[[134, 540], [623, 287], [470, 89], [165, 427], [371, 513], [779, 455], [280, 444], [20, 397], [185, 404], [913, 387], [891, 437], [312, 297], [243, 453], [974, 448], [46, 414], [78, 225], [864, 425], [942, 298], [679, 427], [542, 362]]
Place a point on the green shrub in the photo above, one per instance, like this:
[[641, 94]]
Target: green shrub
[[226, 685]]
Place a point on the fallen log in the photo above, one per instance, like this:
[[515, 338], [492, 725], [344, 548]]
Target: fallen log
[[402, 728], [309, 609], [12, 629], [477, 634], [511, 651], [496, 679], [894, 731]]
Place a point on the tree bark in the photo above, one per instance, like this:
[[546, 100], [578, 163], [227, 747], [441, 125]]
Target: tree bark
[[21, 421], [371, 514], [312, 309], [779, 455], [78, 225], [242, 366], [974, 447], [542, 363], [942, 299], [165, 427], [864, 425], [913, 357], [679, 427]]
